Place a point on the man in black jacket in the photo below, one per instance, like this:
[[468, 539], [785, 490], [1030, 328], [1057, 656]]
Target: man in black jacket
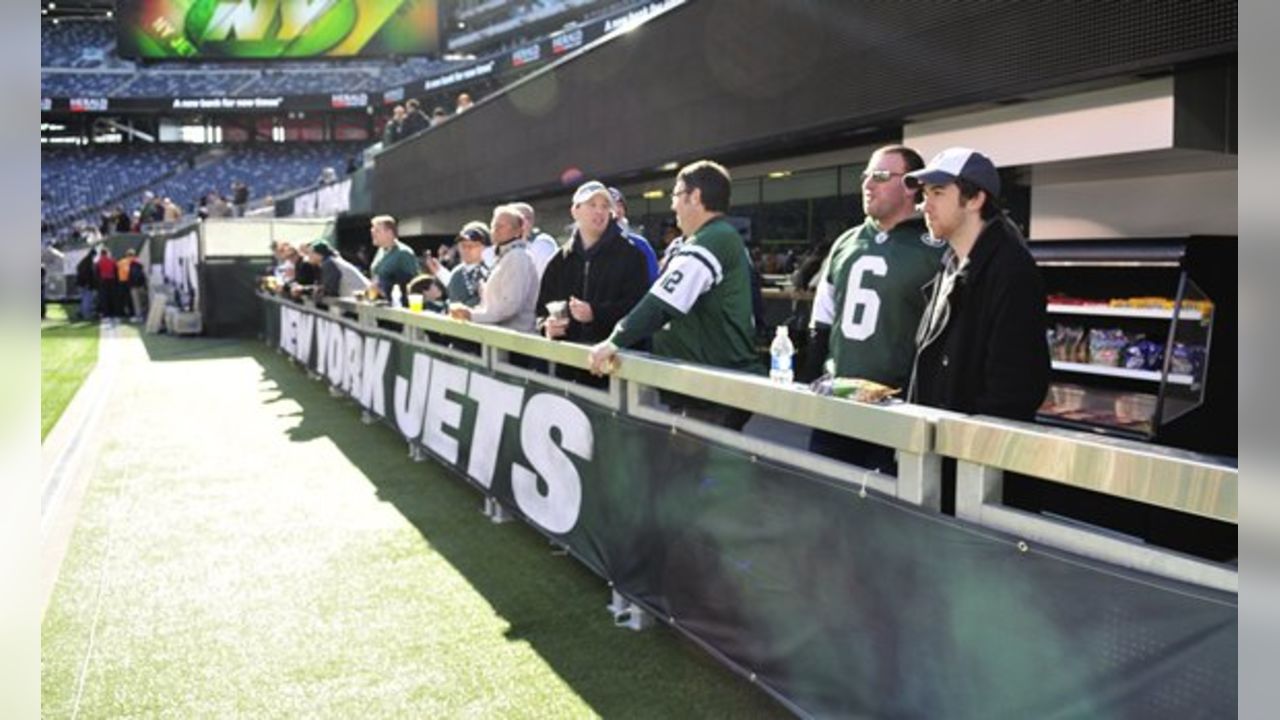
[[593, 281], [87, 281], [981, 347], [415, 120]]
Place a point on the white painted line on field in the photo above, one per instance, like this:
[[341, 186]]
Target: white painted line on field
[[67, 459], [97, 615], [97, 387]]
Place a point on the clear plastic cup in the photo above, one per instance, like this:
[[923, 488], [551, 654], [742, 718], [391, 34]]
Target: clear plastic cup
[[415, 302]]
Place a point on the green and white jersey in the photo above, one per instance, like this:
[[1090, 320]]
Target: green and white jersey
[[395, 265], [871, 295], [705, 292]]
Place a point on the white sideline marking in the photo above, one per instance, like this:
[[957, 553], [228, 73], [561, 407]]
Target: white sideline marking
[[96, 384], [68, 473], [97, 614], [66, 461]]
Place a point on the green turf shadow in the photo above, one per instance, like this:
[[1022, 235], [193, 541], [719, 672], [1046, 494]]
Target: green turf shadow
[[173, 348], [552, 602]]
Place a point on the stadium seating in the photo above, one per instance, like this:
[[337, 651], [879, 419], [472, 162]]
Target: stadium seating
[[411, 69], [78, 44], [176, 84], [82, 84], [519, 16], [76, 180], [79, 59], [298, 82], [267, 168]]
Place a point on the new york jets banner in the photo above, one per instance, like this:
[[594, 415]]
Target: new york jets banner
[[839, 602]]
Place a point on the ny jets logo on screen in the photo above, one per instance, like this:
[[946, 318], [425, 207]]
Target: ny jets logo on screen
[[264, 28]]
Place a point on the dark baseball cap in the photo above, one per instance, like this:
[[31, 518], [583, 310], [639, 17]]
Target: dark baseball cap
[[955, 163], [618, 197]]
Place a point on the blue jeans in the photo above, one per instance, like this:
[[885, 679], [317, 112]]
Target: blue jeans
[[87, 297]]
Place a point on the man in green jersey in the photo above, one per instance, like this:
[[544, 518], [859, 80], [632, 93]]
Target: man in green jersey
[[394, 264], [870, 297], [699, 308]]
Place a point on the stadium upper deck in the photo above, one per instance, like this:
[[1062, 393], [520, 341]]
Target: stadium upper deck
[[80, 57]]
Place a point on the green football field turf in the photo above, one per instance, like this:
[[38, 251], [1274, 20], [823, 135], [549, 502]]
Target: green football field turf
[[68, 351], [247, 548]]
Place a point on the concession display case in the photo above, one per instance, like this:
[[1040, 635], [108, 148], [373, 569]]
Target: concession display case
[[1132, 335]]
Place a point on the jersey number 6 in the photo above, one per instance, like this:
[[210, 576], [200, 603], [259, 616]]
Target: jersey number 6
[[857, 325]]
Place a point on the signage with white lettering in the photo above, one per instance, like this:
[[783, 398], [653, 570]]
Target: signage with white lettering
[[227, 103], [461, 415], [526, 55], [325, 201], [635, 17], [566, 41], [348, 100], [768, 564], [458, 76], [88, 104]]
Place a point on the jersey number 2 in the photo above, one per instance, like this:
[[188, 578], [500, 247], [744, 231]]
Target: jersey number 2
[[672, 281], [861, 325]]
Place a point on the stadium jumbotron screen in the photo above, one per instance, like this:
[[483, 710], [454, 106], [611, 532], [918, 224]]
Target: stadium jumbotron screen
[[267, 29]]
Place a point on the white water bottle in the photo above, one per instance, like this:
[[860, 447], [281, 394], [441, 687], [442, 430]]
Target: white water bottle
[[395, 297], [781, 353]]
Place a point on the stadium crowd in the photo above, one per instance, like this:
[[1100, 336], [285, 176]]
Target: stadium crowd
[[934, 295]]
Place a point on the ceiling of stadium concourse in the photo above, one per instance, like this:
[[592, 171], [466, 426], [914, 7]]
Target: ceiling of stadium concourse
[[715, 78]]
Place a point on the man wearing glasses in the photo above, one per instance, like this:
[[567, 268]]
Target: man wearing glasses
[[870, 296], [699, 308]]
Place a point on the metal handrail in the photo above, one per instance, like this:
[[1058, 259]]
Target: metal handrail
[[1178, 480], [904, 427], [1164, 477]]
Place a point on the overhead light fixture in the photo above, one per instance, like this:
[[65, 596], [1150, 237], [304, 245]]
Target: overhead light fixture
[[44, 11], [673, 165], [777, 174], [653, 195], [110, 14], [53, 6]]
